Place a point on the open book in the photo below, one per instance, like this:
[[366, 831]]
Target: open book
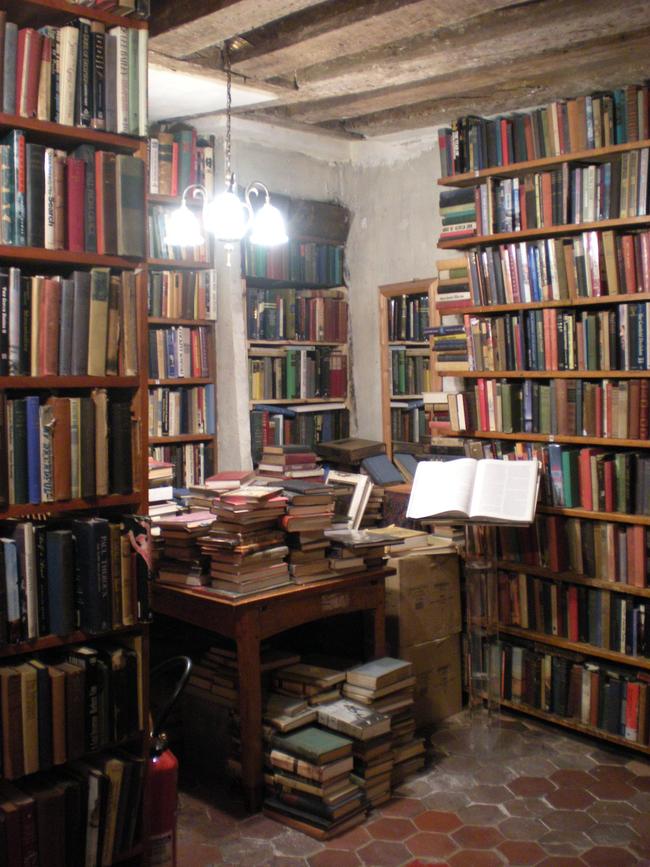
[[485, 491]]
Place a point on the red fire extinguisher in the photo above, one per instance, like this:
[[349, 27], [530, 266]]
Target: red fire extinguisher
[[162, 777]]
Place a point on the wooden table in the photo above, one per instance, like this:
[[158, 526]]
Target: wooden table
[[252, 619]]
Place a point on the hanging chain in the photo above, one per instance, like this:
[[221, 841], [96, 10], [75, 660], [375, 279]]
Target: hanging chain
[[226, 56]]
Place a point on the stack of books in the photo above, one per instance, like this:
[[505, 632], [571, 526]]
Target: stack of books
[[161, 490], [245, 545], [309, 783], [346, 454], [309, 515], [374, 512], [458, 212], [449, 342], [315, 683], [386, 685], [373, 766], [290, 462], [357, 550], [182, 562], [453, 289], [284, 713]]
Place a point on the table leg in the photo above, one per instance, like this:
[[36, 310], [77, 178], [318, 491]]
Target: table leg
[[375, 631], [250, 707]]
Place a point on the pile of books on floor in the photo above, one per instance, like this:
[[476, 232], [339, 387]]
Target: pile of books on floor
[[309, 783], [161, 491], [309, 514], [314, 683], [246, 545], [290, 462], [181, 561]]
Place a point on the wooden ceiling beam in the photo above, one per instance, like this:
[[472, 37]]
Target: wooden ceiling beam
[[182, 29], [330, 30], [501, 36], [508, 87]]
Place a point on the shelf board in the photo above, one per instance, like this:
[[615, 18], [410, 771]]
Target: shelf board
[[574, 725], [172, 320], [544, 374], [617, 517], [47, 642], [48, 132], [176, 264], [65, 257], [162, 199], [297, 401], [576, 646], [406, 343], [23, 510], [554, 438], [280, 343], [541, 305], [181, 380], [406, 396], [546, 232], [180, 438], [279, 283], [40, 383], [468, 179], [574, 578], [35, 13]]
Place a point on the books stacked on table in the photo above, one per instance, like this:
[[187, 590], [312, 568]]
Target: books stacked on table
[[161, 491], [315, 683], [387, 685], [373, 513], [356, 550], [182, 561], [347, 454], [289, 462], [202, 496], [245, 545], [308, 516], [309, 785]]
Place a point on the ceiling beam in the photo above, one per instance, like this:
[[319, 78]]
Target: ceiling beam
[[501, 36], [326, 32], [181, 29]]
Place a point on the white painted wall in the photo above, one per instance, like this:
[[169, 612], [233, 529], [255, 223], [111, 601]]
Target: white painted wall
[[390, 190]]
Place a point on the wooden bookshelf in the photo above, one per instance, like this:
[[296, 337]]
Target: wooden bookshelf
[[31, 13], [48, 132], [388, 292], [577, 302], [180, 438], [546, 374], [178, 264], [576, 646], [619, 517], [181, 380], [615, 442], [574, 578]]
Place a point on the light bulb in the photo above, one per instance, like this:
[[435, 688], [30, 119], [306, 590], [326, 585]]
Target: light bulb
[[227, 217], [268, 227], [183, 228]]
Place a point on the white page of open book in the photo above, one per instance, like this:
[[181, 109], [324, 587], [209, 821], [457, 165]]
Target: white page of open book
[[442, 487], [505, 490]]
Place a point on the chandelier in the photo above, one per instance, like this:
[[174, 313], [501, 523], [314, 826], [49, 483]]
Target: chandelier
[[226, 216]]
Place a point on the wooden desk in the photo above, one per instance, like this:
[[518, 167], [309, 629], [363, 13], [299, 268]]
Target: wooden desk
[[252, 619]]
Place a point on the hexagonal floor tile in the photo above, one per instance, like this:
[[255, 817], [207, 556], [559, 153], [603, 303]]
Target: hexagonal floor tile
[[531, 786], [435, 845], [437, 820], [520, 853], [477, 837], [608, 856], [569, 778], [520, 828], [334, 858], [380, 853], [388, 828], [570, 799]]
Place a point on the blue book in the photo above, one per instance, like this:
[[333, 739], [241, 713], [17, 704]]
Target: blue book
[[16, 141], [12, 590], [382, 471], [210, 419], [555, 464], [33, 450], [9, 70], [170, 349], [93, 597], [620, 120]]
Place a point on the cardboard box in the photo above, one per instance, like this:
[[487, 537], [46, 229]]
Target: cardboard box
[[437, 670], [422, 599]]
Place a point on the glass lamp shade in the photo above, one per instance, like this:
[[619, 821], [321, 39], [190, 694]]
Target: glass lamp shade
[[227, 217], [183, 228], [268, 227]]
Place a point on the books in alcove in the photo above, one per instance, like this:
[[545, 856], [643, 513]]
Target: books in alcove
[[296, 373], [83, 200], [297, 261], [452, 289], [408, 316], [616, 409], [158, 221], [309, 424], [175, 411], [192, 462], [60, 576], [449, 342], [59, 707], [458, 213], [183, 294], [602, 550], [354, 551], [61, 448], [587, 265], [601, 697], [178, 157], [81, 325], [79, 74], [598, 120], [290, 462], [611, 338], [316, 684], [297, 314], [94, 805], [410, 370], [179, 351], [408, 422]]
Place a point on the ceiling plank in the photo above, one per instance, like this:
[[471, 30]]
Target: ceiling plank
[[181, 29], [509, 87], [498, 37], [327, 31]]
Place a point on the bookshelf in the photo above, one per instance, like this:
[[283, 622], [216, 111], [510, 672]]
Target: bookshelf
[[557, 321], [182, 310], [297, 329], [405, 310], [73, 396]]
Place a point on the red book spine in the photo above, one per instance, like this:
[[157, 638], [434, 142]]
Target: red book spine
[[75, 217], [610, 495], [547, 199], [632, 711], [644, 242], [21, 77], [572, 608], [584, 466], [48, 337], [629, 266], [528, 137], [32, 59], [643, 409], [505, 150], [99, 203], [484, 417]]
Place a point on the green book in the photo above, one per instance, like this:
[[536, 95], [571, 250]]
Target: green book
[[314, 744], [570, 478], [544, 421], [130, 205]]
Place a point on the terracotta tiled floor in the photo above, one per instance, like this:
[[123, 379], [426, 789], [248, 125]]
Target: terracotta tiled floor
[[512, 792]]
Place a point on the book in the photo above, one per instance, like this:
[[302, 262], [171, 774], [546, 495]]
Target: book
[[350, 450], [313, 745], [488, 491], [353, 719], [379, 673]]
